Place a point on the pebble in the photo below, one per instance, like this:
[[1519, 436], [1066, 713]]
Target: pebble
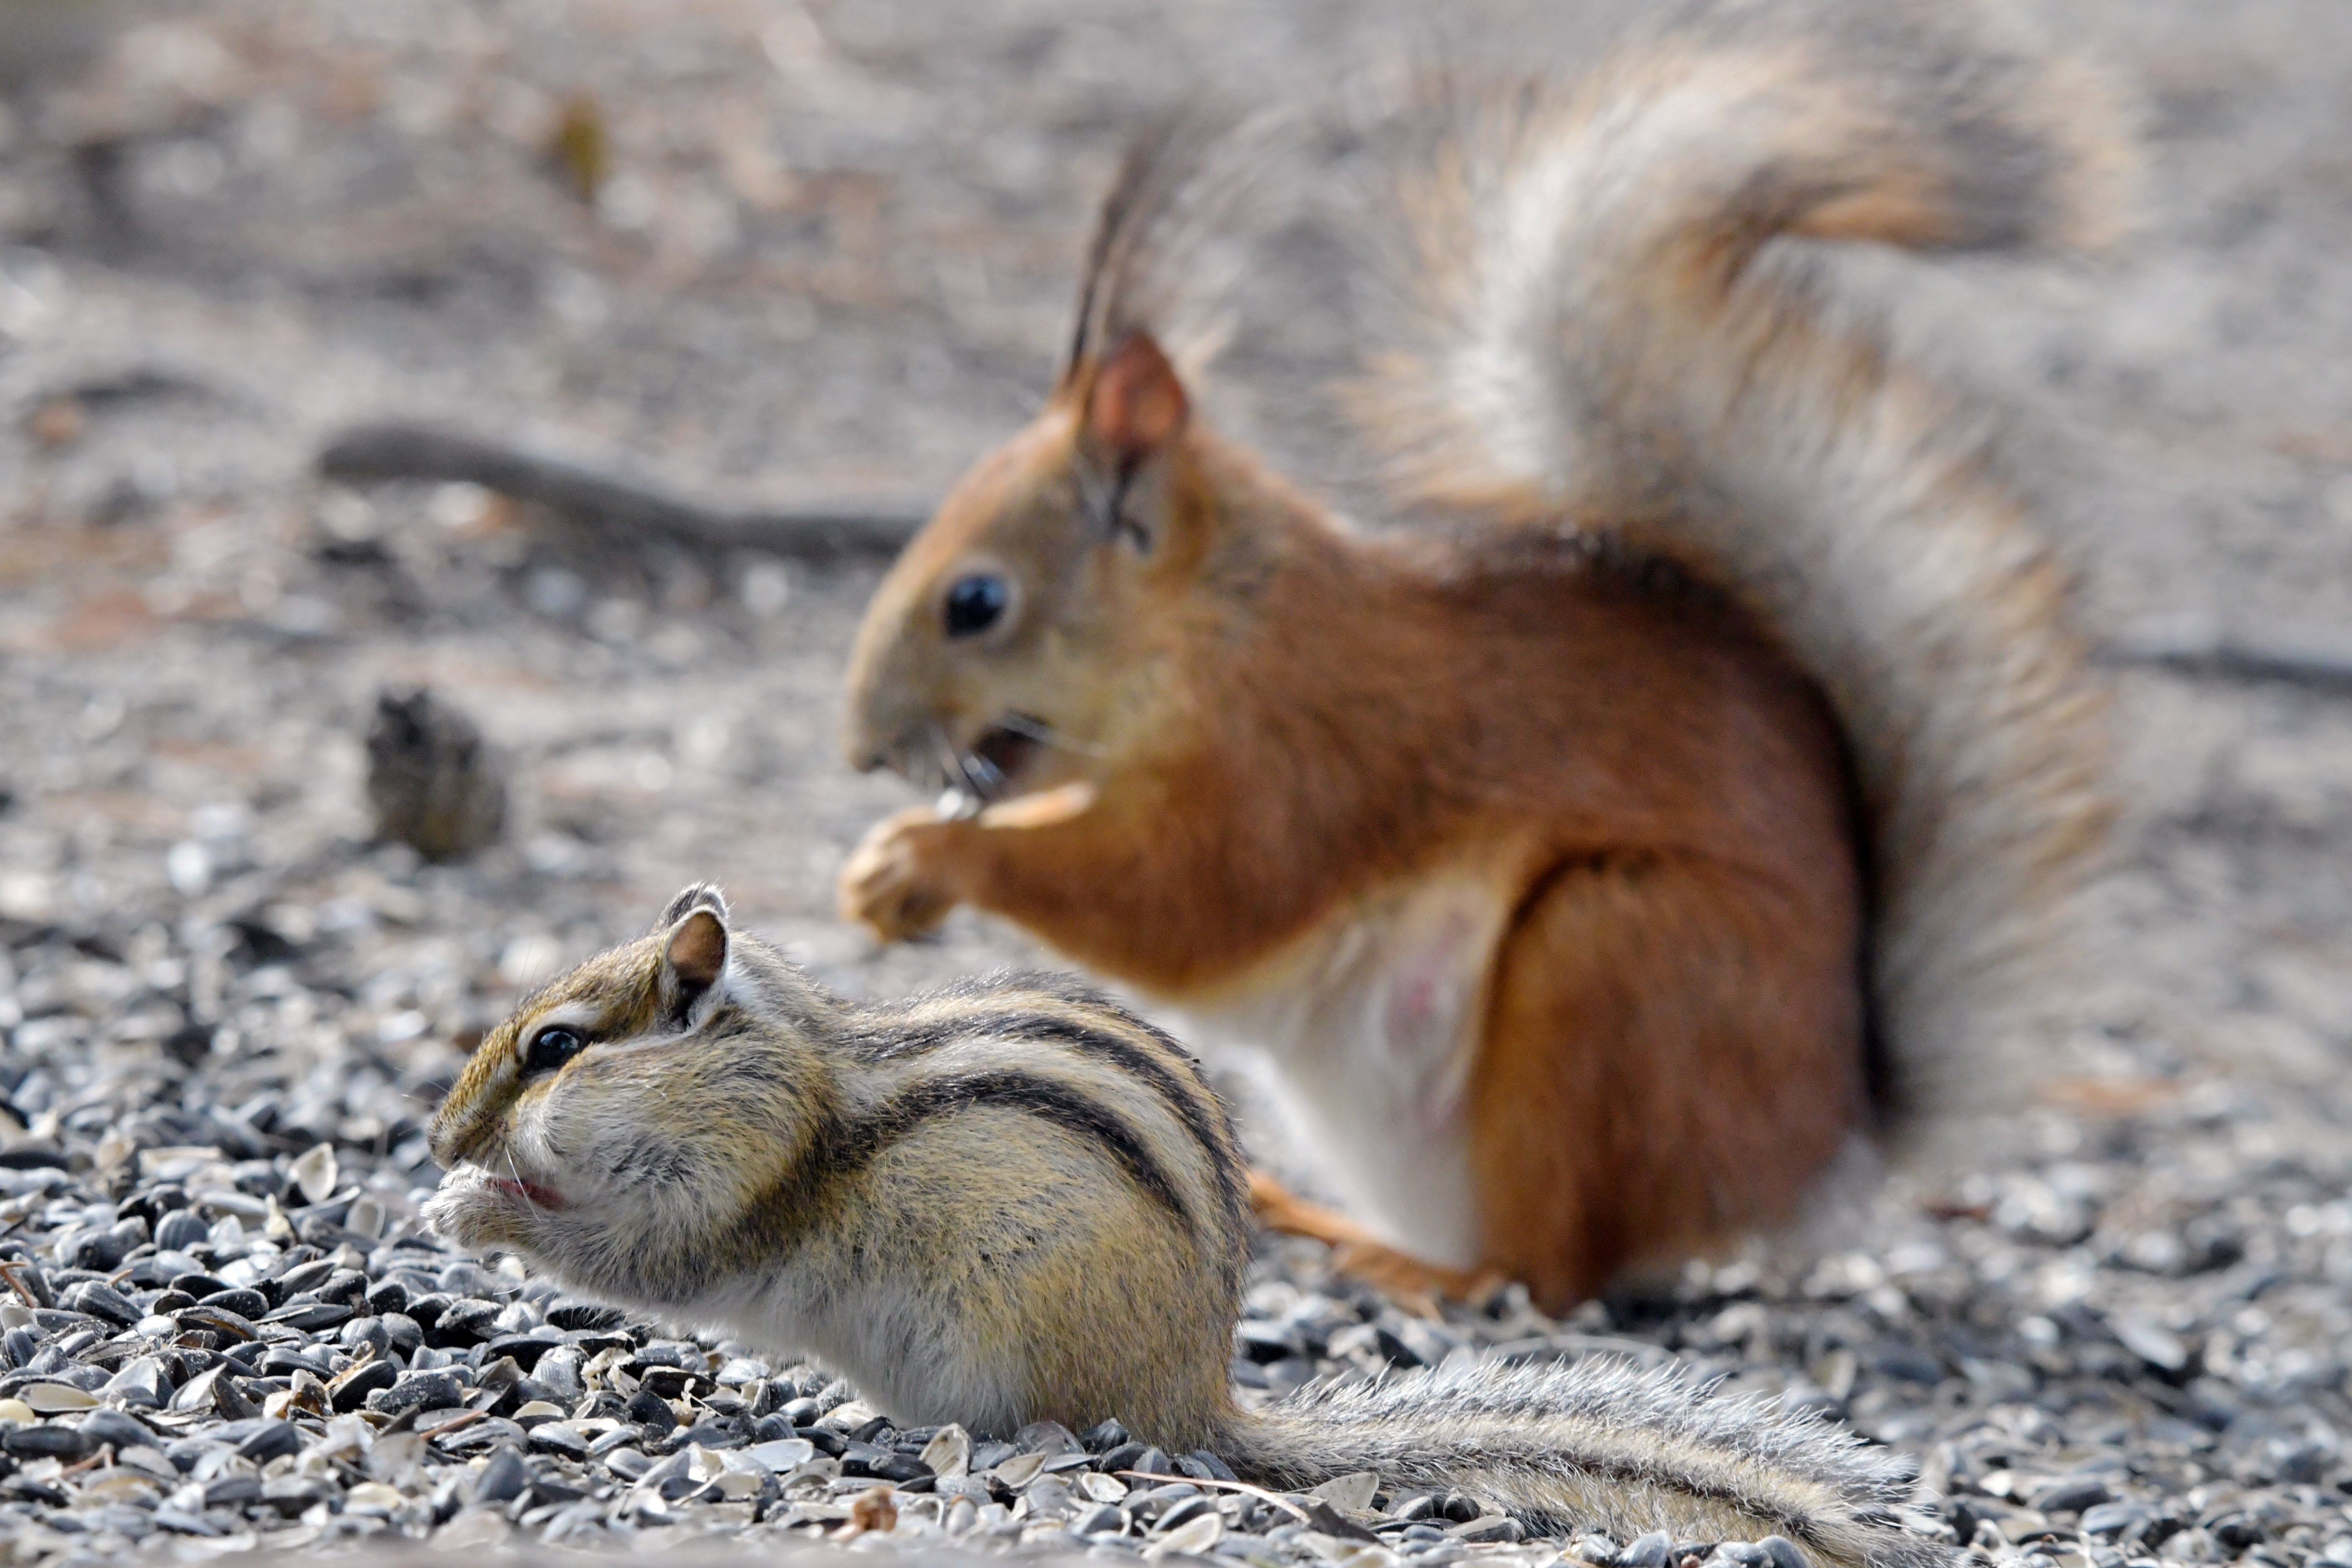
[[1178, 1513], [271, 1440], [949, 1453], [786, 1455], [56, 1398], [2072, 1496], [1646, 1550], [102, 1301], [49, 1440], [502, 1480], [1188, 1539], [1350, 1493], [430, 1389], [554, 1437], [115, 1427]]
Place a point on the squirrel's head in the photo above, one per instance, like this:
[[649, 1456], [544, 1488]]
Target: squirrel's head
[[1011, 647], [629, 1114]]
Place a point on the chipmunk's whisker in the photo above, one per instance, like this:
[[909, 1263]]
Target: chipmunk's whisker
[[523, 1186]]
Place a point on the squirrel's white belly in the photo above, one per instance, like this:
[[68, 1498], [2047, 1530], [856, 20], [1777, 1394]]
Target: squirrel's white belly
[[1363, 1034]]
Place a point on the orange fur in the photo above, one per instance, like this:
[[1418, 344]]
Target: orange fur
[[1713, 1067]]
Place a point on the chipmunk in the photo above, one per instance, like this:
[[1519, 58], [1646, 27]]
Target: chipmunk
[[1699, 783], [1014, 1201]]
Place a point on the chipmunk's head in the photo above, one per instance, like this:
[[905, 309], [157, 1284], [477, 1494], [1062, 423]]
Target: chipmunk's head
[[1011, 647], [621, 1125]]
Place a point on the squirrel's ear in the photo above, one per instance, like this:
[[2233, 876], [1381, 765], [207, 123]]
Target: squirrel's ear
[[696, 953], [695, 896], [1136, 405]]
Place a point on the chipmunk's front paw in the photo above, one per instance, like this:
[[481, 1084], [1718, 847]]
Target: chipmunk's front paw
[[895, 883]]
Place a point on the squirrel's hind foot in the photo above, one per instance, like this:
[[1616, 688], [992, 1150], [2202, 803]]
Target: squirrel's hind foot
[[1413, 1283]]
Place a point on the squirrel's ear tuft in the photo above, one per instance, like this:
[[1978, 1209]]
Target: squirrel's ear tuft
[[1136, 403], [696, 953], [698, 896]]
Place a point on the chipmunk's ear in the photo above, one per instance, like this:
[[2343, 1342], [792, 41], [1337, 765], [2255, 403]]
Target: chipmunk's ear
[[695, 896], [696, 953]]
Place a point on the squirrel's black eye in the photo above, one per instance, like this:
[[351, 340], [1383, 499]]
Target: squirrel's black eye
[[976, 602], [550, 1049]]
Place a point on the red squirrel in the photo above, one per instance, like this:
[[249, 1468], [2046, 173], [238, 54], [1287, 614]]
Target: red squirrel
[[1698, 776]]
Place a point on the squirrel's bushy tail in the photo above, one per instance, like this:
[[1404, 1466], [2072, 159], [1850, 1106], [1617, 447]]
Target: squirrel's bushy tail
[[1600, 1446], [1595, 336]]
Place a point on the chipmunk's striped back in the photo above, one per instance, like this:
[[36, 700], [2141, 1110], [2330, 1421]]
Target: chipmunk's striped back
[[1049, 1048]]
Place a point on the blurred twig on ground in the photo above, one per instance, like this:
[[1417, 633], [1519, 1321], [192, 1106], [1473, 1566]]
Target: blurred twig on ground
[[375, 453]]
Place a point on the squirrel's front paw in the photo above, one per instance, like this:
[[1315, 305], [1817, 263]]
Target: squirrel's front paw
[[893, 883]]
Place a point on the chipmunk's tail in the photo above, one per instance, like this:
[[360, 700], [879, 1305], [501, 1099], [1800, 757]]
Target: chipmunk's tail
[[1605, 1447], [1597, 336]]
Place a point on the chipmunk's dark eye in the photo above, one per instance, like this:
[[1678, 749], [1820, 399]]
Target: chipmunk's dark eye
[[976, 602], [550, 1049]]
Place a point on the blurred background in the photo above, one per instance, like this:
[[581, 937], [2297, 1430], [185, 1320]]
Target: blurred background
[[774, 254]]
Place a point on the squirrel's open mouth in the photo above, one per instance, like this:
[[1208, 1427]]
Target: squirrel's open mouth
[[530, 1192], [1002, 753], [990, 769]]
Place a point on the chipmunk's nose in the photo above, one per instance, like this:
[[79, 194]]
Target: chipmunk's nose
[[456, 1137]]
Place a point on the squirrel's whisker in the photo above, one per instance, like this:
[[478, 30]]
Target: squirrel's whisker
[[1045, 734], [984, 776], [944, 756]]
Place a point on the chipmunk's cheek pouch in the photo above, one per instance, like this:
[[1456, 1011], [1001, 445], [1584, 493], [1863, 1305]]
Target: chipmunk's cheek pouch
[[562, 1143], [646, 1167], [538, 1162]]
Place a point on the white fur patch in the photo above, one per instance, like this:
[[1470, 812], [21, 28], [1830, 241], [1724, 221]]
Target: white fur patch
[[1363, 1034]]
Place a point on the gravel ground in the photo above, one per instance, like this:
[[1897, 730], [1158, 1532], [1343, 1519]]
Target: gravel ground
[[827, 258]]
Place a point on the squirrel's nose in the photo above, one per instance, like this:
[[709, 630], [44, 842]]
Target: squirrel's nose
[[862, 746], [871, 747], [868, 755]]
